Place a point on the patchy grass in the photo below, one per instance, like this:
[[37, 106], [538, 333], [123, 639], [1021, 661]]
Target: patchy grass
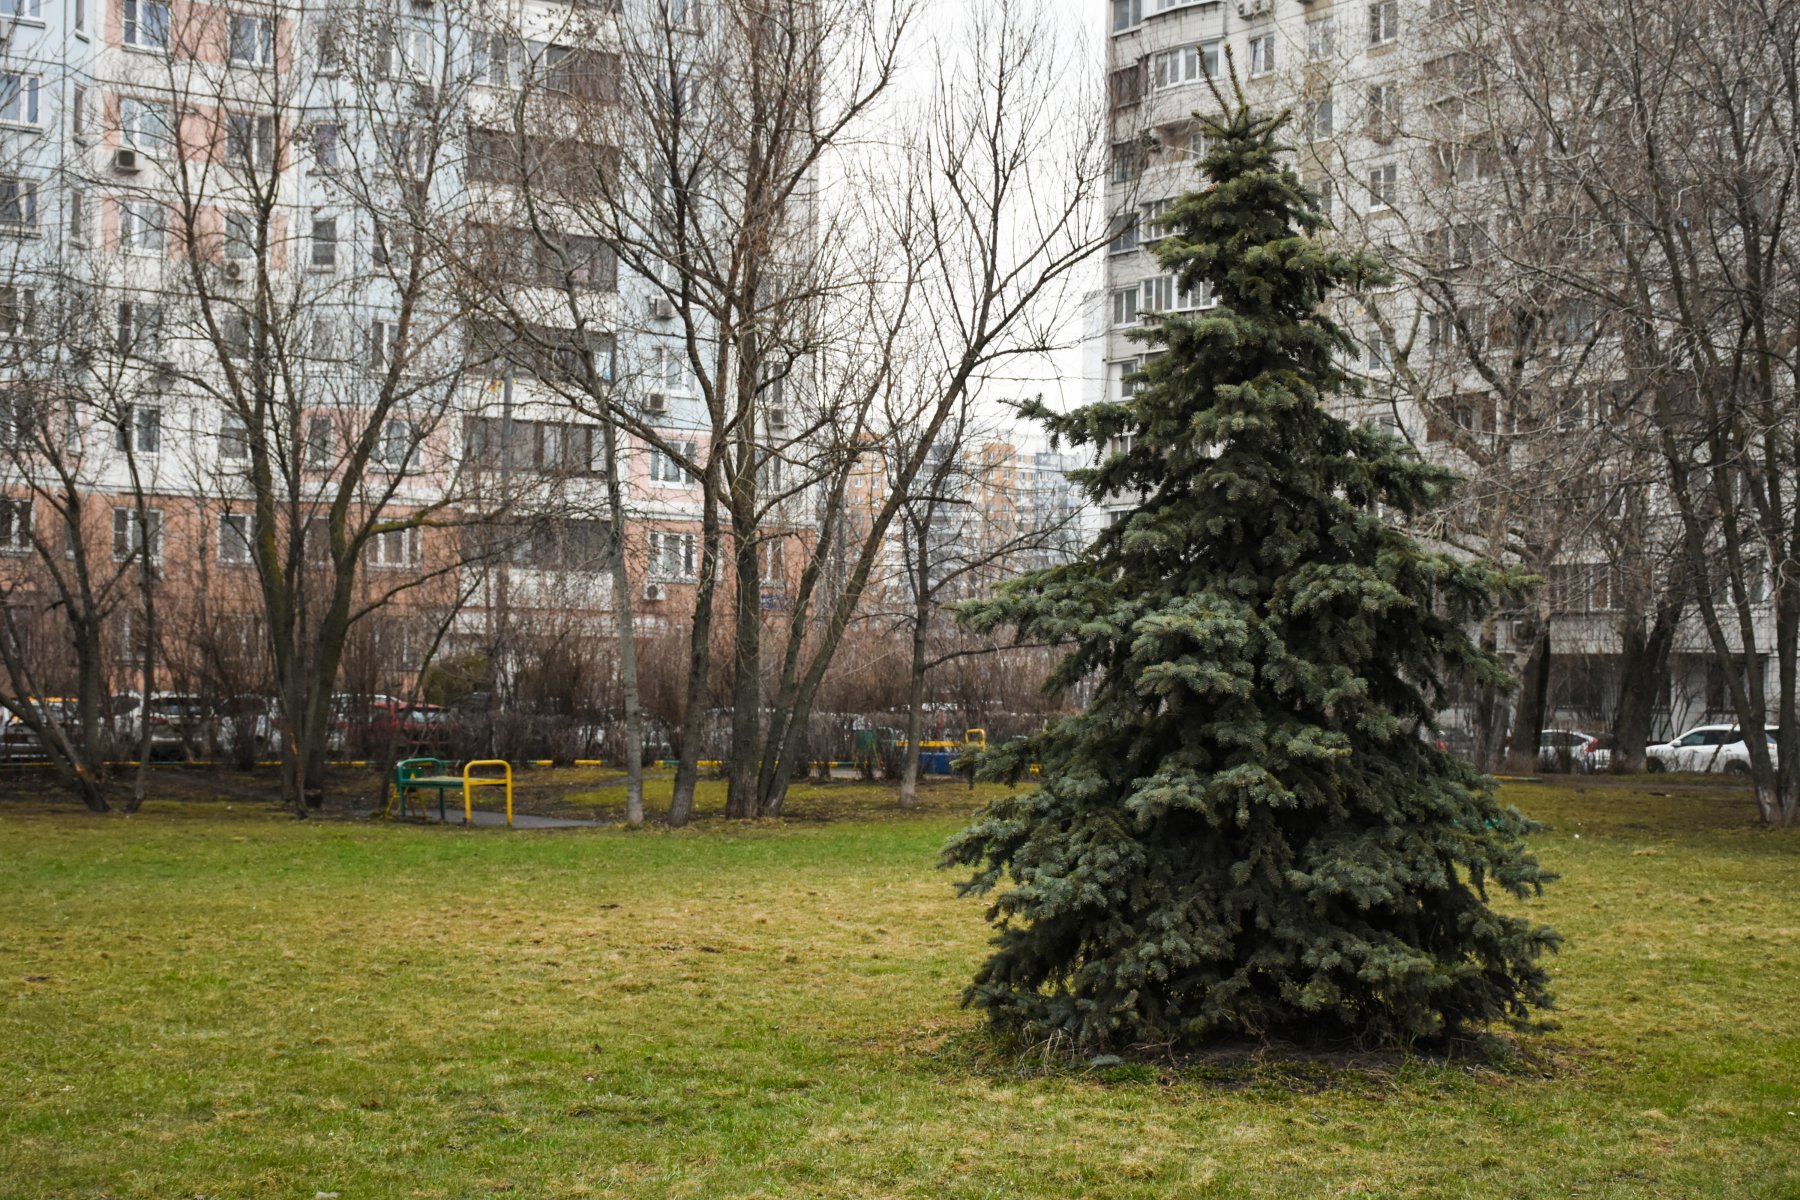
[[223, 1002]]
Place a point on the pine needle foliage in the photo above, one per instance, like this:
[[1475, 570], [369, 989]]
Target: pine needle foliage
[[1245, 833]]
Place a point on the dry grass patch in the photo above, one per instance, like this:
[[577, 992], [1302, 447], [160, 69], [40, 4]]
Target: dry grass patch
[[234, 1004]]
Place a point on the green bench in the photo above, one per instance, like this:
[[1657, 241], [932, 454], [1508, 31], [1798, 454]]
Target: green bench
[[415, 775]]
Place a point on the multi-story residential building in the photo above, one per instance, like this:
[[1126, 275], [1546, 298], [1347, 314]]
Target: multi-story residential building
[[1386, 128], [324, 218]]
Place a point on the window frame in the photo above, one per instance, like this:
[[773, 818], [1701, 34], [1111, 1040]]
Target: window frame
[[27, 91], [262, 30], [132, 538], [1384, 22], [244, 538], [16, 524], [138, 16]]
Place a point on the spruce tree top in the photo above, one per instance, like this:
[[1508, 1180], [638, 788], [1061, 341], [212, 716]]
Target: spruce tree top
[[1244, 832]]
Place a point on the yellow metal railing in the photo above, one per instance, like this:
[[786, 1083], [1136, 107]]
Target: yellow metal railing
[[471, 781]]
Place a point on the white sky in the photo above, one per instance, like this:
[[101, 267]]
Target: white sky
[[1060, 377]]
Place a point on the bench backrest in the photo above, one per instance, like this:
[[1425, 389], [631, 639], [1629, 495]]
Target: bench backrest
[[411, 768]]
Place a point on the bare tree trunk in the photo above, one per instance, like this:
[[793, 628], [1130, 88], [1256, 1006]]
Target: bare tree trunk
[[915, 717], [1643, 668], [1534, 692], [741, 799], [693, 717], [625, 632], [1490, 710]]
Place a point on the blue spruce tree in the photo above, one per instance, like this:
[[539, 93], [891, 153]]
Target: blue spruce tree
[[1243, 833]]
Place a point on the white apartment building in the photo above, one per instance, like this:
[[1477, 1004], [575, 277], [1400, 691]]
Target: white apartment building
[[182, 182], [1375, 89]]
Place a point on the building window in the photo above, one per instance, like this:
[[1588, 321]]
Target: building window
[[78, 216], [1126, 239], [325, 145], [234, 438], [139, 429], [494, 64], [141, 227], [409, 150], [1384, 112], [15, 526], [145, 127], [1127, 377], [398, 449], [1125, 306], [250, 140], [666, 468], [139, 329], [18, 310], [324, 242], [1185, 64], [319, 439], [18, 203], [671, 555], [1380, 355], [1155, 226], [18, 98], [1384, 21], [1321, 38], [1127, 161], [240, 237], [1127, 14], [1384, 187], [384, 344], [146, 24], [396, 548], [1262, 54], [252, 41], [234, 538], [1319, 117], [406, 53], [132, 536]]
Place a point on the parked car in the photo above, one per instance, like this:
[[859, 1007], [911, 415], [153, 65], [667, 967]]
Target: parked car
[[181, 726], [1595, 756], [248, 727], [1705, 748], [19, 742], [1560, 749]]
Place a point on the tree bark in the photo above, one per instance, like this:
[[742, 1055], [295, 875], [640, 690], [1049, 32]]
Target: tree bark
[[1643, 669], [693, 717], [625, 633], [1534, 691], [915, 717]]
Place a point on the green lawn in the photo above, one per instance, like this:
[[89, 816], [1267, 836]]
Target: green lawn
[[228, 1003]]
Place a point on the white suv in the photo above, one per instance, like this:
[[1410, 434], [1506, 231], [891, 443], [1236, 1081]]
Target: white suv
[[1705, 748]]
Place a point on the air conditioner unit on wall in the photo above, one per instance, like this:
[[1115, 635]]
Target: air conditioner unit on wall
[[778, 418], [233, 271], [661, 309], [656, 591], [656, 402], [125, 159]]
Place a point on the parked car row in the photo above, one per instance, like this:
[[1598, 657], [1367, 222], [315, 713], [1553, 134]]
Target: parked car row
[[183, 726], [1704, 748]]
